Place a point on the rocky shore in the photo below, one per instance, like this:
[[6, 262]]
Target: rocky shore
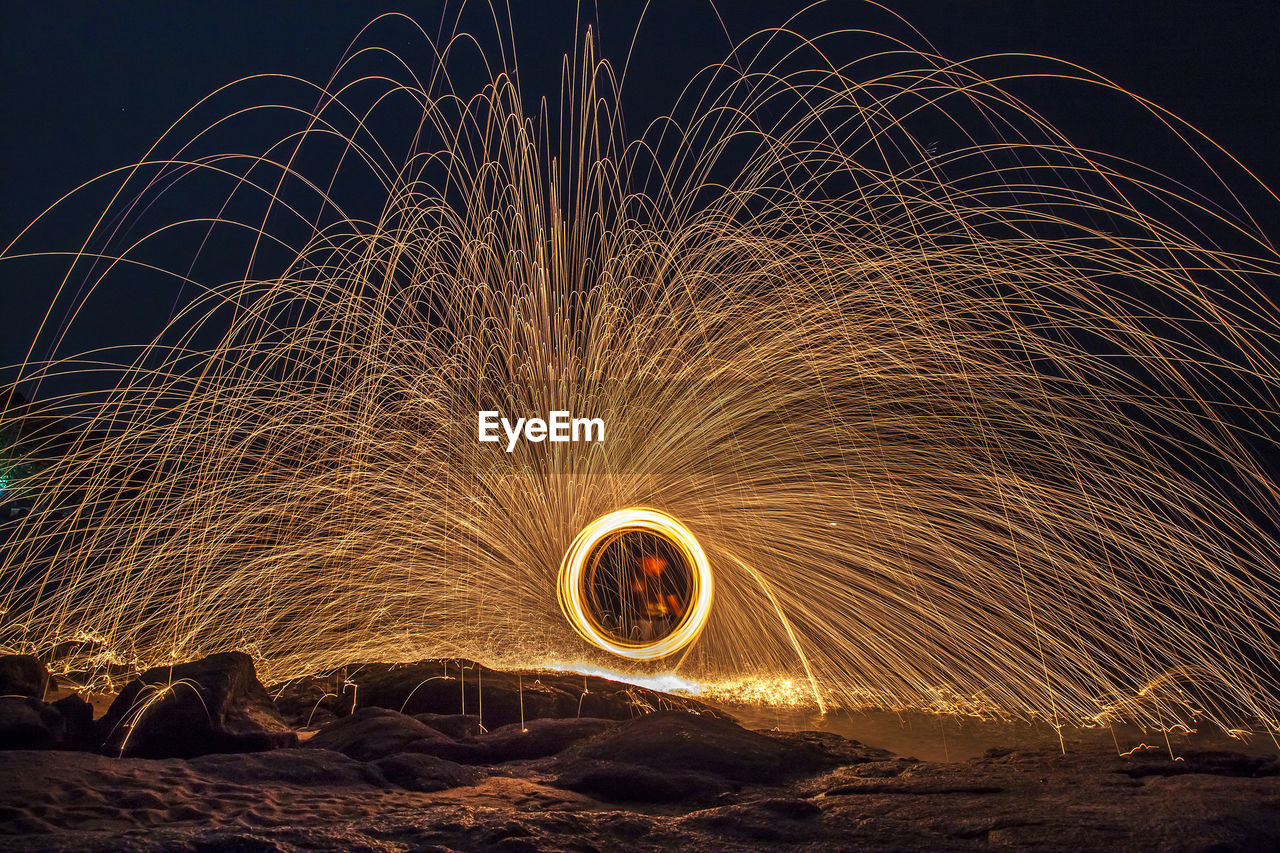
[[447, 755]]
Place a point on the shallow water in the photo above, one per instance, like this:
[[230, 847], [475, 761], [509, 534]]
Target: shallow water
[[938, 737]]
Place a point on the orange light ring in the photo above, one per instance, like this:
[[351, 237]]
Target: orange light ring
[[570, 592]]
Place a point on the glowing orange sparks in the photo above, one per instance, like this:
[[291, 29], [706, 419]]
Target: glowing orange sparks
[[570, 589]]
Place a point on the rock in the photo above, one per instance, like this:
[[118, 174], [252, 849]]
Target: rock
[[839, 750], [213, 705], [539, 738], [27, 723], [671, 756], [456, 726], [461, 751], [618, 782], [426, 773], [791, 808], [321, 800], [77, 715], [697, 743], [1217, 763], [23, 675], [774, 820], [846, 778], [314, 701], [454, 687], [305, 768], [373, 733]]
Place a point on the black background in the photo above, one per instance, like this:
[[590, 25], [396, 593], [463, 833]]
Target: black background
[[87, 86]]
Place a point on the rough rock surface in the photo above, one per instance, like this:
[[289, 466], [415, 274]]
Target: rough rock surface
[[454, 725], [314, 701], [539, 738], [379, 780], [670, 756], [462, 687], [77, 717], [23, 675], [695, 743], [621, 782], [372, 733], [322, 800], [27, 723], [417, 772], [211, 705]]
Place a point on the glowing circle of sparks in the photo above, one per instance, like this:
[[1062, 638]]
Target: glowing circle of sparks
[[571, 594]]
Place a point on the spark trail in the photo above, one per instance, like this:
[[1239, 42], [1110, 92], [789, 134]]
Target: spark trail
[[975, 431]]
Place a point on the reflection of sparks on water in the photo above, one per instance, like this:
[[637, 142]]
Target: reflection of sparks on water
[[779, 692], [666, 682], [761, 692], [973, 431]]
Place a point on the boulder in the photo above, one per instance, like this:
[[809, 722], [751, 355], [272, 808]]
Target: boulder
[[539, 738], [77, 717], [27, 723], [426, 773], [675, 756], [313, 701], [620, 782], [213, 705], [835, 748], [297, 768], [696, 743], [456, 687], [23, 675], [777, 821], [456, 726], [373, 733]]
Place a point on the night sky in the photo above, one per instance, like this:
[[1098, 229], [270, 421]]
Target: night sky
[[89, 86]]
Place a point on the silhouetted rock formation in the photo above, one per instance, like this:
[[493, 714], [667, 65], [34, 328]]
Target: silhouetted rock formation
[[703, 744], [456, 687], [373, 733], [540, 738], [1214, 762], [23, 675], [671, 780], [77, 717], [417, 772], [208, 706], [456, 726], [673, 756], [27, 722]]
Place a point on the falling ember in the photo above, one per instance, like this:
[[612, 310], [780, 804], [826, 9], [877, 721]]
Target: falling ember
[[988, 428]]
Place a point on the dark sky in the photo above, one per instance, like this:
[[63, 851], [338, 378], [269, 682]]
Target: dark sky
[[88, 86]]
